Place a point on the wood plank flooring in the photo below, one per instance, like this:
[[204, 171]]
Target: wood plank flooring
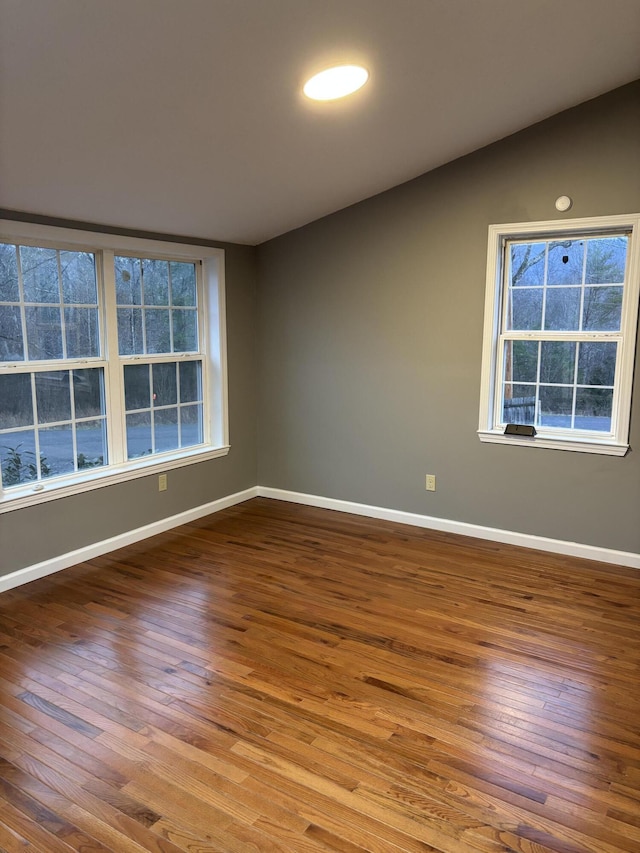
[[283, 678]]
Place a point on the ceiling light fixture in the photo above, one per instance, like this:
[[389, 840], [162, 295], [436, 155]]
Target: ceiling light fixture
[[336, 82]]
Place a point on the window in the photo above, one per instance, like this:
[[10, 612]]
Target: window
[[559, 338], [111, 360]]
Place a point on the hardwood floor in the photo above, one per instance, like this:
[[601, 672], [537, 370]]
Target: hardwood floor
[[282, 678]]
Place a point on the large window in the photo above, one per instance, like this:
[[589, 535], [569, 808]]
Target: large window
[[111, 360], [560, 326]]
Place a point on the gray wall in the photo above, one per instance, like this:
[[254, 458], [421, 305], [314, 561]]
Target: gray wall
[[39, 533], [371, 338]]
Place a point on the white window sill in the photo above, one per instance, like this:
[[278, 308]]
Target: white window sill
[[48, 490], [586, 444]]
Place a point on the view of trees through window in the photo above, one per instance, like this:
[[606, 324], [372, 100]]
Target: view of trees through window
[[562, 298]]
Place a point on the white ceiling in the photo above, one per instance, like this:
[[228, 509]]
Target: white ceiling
[[185, 116]]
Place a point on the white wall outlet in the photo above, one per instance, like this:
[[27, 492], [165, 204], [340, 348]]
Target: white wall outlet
[[430, 483], [162, 482]]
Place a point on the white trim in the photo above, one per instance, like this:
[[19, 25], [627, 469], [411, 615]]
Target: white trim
[[604, 448], [56, 564], [463, 528]]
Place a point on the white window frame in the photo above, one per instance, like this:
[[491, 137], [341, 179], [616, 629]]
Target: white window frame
[[212, 330], [491, 428]]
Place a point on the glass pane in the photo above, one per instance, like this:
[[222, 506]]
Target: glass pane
[[183, 284], [9, 290], [190, 381], [602, 308], [130, 331], [128, 288], [78, 278], [87, 392], [185, 330], [555, 406], [565, 265], [56, 451], [139, 435], [44, 333], [519, 404], [597, 363], [40, 274], [53, 396], [525, 309], [81, 326], [165, 391], [593, 409], [91, 444], [191, 425], [157, 330], [137, 392], [16, 406], [11, 347], [155, 280], [521, 361], [166, 429], [606, 260], [562, 311], [527, 264], [557, 362], [18, 457]]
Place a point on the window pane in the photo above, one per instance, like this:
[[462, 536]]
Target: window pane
[[562, 310], [128, 287], [139, 435], [18, 458], [185, 330], [56, 451], [602, 308], [525, 309], [190, 381], [78, 278], [597, 363], [40, 274], [155, 281], [606, 260], [157, 330], [130, 331], [81, 326], [555, 406], [11, 346], [557, 362], [88, 392], [593, 409], [521, 363], [44, 332], [165, 391], [519, 404], [137, 393], [53, 396], [9, 290], [16, 406], [183, 284], [566, 259], [166, 429], [91, 444]]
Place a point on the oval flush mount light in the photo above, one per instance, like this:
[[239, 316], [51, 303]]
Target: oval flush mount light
[[336, 82]]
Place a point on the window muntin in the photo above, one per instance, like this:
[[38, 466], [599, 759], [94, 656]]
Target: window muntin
[[560, 332], [68, 422]]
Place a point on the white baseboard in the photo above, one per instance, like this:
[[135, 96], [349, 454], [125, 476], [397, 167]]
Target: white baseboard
[[509, 537], [56, 564], [526, 540]]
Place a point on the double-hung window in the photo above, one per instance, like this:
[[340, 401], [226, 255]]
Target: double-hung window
[[560, 334], [112, 359]]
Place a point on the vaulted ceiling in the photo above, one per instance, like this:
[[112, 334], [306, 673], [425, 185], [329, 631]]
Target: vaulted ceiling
[[186, 116]]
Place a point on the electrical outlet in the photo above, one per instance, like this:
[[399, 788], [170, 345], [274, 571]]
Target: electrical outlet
[[430, 483], [162, 482]]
